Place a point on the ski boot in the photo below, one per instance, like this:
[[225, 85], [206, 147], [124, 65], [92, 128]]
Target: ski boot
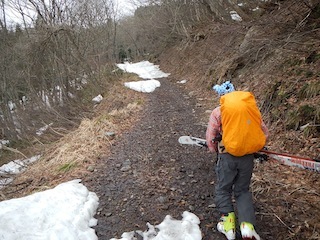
[[227, 225], [248, 232]]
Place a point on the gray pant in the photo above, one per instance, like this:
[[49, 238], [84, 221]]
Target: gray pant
[[234, 176]]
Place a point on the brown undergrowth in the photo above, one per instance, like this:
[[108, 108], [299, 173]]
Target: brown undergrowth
[[74, 155]]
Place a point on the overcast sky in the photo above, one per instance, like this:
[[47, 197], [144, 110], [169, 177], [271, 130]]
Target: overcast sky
[[125, 7]]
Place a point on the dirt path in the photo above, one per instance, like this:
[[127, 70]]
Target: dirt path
[[150, 175]]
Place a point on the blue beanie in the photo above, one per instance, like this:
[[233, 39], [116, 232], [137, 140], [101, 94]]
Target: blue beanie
[[224, 88]]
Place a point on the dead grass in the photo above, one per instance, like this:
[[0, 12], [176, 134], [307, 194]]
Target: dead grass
[[287, 197], [75, 154]]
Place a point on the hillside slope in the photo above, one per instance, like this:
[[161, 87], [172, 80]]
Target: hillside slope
[[277, 58]]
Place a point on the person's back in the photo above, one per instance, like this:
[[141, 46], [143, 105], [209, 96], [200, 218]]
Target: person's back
[[243, 132]]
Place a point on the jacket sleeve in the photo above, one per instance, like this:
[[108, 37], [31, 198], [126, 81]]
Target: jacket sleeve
[[213, 129], [265, 129]]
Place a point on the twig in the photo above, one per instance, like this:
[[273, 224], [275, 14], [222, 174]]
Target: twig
[[301, 22], [302, 188], [283, 222], [4, 174], [24, 185], [270, 214], [60, 134], [3, 196], [13, 150]]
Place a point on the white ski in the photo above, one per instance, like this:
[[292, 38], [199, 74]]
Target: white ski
[[192, 141], [286, 159]]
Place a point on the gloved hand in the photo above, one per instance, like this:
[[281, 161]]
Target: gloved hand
[[260, 157]]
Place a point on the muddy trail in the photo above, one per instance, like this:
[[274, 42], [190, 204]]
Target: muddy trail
[[149, 175]]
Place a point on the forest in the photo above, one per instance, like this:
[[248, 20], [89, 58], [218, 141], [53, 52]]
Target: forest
[[62, 53], [57, 56]]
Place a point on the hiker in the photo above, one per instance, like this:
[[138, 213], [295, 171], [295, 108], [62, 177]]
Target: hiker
[[235, 158]]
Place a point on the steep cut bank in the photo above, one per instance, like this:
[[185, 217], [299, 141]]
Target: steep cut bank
[[277, 58]]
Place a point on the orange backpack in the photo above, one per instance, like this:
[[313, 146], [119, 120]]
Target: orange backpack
[[241, 124]]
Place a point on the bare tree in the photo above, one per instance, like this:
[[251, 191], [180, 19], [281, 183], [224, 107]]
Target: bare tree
[[61, 45], [160, 24], [3, 21]]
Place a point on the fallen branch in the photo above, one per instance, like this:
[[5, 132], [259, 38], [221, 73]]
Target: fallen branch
[[4, 174], [13, 150], [23, 184], [273, 214], [305, 192], [3, 196]]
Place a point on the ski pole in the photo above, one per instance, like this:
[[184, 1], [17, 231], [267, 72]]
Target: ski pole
[[289, 155]]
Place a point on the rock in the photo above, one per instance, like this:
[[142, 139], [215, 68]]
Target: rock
[[90, 169], [162, 199], [125, 168], [212, 206], [110, 135]]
